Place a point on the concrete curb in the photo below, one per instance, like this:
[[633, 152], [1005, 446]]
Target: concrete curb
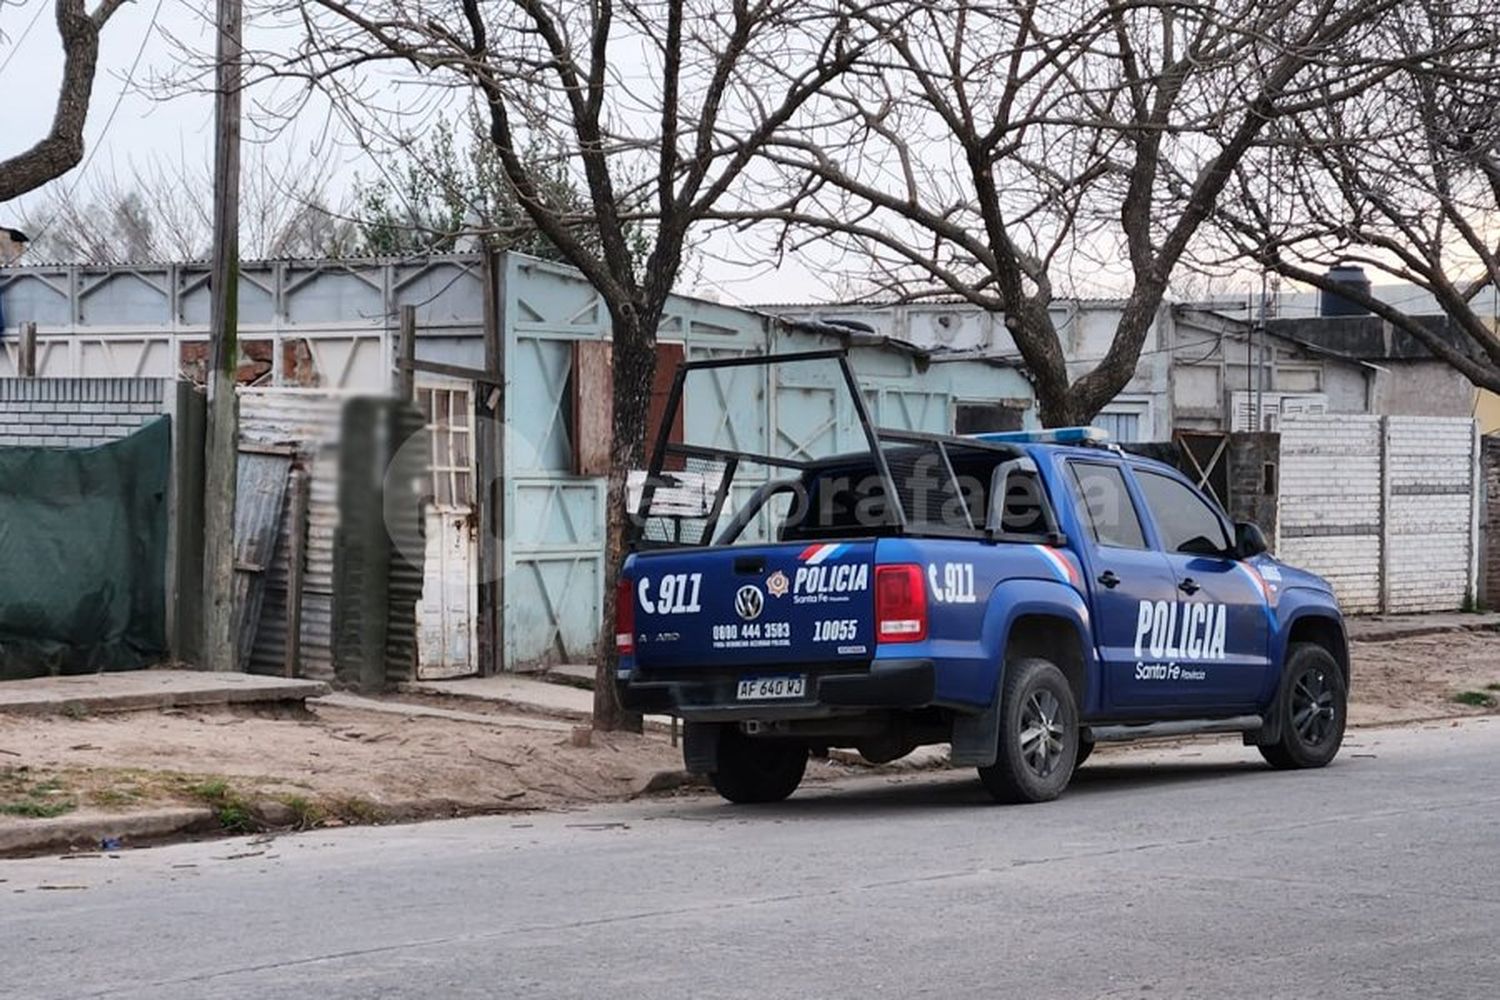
[[1395, 633], [35, 836]]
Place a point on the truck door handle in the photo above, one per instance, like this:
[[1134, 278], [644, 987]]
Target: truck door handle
[[1109, 579], [1188, 586], [750, 564]]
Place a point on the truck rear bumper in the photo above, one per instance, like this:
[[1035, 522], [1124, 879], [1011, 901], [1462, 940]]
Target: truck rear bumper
[[887, 684]]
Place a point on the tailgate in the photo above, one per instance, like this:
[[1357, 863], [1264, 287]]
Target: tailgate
[[754, 605]]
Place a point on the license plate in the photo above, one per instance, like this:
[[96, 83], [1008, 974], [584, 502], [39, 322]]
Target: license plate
[[752, 688]]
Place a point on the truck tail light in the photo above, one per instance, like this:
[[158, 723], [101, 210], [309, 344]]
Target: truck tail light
[[624, 618], [900, 604]]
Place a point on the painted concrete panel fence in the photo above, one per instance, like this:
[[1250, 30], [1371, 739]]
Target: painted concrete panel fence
[[1385, 508], [315, 331]]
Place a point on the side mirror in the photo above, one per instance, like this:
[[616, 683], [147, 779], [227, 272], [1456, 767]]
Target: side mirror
[[1249, 540]]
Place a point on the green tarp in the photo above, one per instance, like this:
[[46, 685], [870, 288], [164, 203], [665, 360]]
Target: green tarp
[[83, 541]]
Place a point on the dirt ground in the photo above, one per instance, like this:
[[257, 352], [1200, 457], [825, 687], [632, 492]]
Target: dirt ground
[[331, 765], [324, 765], [1422, 677]]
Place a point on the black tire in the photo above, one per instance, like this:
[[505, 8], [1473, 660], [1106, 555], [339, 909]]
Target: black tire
[[1313, 707], [1038, 735], [1085, 748], [757, 771]]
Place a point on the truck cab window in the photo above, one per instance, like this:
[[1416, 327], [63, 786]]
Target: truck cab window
[[1184, 520], [1106, 502]]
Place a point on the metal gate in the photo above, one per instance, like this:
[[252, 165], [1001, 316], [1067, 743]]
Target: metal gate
[[448, 612]]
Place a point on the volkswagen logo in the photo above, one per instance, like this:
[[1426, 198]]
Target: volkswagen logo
[[749, 602]]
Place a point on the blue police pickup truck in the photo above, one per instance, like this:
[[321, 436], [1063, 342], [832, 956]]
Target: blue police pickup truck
[[1021, 597]]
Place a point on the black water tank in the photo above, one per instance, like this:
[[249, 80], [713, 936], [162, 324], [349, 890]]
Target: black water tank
[[1334, 304]]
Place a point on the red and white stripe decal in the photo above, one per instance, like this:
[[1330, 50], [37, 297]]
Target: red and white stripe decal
[[1061, 565]]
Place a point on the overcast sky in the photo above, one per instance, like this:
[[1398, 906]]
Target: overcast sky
[[147, 34], [131, 121]]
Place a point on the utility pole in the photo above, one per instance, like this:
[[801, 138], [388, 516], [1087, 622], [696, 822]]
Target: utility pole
[[220, 461]]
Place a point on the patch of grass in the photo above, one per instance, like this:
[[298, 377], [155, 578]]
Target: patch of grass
[[306, 814], [32, 797], [34, 809], [1493, 687], [75, 710], [230, 808], [357, 810], [115, 798], [1476, 699]]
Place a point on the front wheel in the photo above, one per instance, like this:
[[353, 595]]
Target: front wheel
[[755, 771], [1038, 735], [1313, 708]]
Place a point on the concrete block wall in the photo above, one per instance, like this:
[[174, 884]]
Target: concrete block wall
[[1432, 465], [76, 412], [1385, 508], [1329, 501]]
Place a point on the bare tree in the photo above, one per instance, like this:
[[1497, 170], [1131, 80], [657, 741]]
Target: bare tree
[[1005, 152], [1404, 178], [657, 107], [61, 149], [160, 211]]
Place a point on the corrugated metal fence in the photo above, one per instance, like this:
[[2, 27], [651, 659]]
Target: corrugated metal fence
[[307, 420]]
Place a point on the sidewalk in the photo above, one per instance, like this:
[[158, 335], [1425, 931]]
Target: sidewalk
[[130, 758], [562, 696], [134, 690]]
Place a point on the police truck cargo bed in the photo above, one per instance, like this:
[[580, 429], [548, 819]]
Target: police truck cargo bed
[[1005, 593]]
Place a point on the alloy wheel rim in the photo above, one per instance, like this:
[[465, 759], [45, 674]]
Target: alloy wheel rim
[[1042, 735], [1314, 711]]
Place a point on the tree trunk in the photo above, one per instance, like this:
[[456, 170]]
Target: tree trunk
[[62, 147], [634, 370]]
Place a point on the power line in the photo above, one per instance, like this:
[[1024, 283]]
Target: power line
[[110, 120], [24, 32]]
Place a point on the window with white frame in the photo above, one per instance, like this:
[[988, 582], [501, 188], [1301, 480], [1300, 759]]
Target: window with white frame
[[1125, 421]]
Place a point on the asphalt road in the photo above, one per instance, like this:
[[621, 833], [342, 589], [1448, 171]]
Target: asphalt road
[[1188, 873]]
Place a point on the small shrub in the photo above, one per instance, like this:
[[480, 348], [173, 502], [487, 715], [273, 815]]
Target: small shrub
[[1475, 699]]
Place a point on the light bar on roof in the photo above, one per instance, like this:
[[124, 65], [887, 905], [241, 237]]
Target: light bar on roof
[[1051, 435]]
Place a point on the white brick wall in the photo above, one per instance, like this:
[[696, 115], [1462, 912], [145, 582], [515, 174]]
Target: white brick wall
[[1433, 491], [1328, 519], [1339, 508], [76, 412]]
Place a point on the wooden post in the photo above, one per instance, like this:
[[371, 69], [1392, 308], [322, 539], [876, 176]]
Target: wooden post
[[296, 558], [488, 467], [406, 351], [221, 460], [26, 362]]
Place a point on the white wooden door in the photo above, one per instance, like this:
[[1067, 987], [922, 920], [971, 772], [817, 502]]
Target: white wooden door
[[448, 612]]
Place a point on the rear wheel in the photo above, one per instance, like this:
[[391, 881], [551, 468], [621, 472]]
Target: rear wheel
[[752, 771], [1038, 735], [1313, 707]]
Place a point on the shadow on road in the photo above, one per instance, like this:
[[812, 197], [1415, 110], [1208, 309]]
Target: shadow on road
[[960, 789]]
